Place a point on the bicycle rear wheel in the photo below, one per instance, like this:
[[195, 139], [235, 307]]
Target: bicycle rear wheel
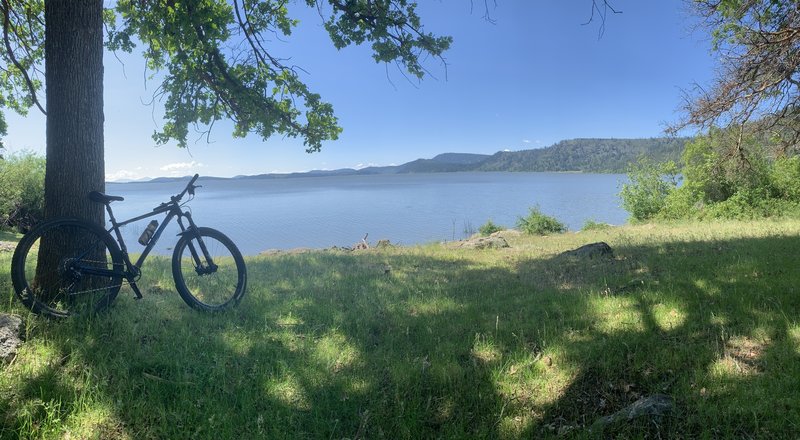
[[54, 268], [210, 281]]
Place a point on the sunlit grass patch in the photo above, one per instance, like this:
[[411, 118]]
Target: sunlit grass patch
[[484, 351], [741, 356], [289, 320], [335, 353], [794, 335], [422, 307], [620, 314], [97, 422], [669, 316], [287, 389]]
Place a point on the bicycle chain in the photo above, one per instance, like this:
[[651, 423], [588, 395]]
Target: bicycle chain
[[102, 263]]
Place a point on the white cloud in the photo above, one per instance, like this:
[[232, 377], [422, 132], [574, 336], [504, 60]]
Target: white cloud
[[181, 166], [363, 165], [526, 141], [123, 175]]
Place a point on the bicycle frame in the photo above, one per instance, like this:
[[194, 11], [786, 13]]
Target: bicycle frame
[[173, 210]]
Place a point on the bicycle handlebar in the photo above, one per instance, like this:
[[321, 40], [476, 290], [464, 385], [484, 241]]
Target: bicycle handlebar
[[189, 188]]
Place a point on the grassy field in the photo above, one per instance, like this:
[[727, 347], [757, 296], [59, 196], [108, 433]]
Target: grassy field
[[437, 342]]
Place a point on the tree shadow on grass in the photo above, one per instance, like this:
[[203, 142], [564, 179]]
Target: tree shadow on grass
[[418, 345], [711, 326], [323, 347]]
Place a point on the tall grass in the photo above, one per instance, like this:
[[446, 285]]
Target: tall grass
[[438, 342]]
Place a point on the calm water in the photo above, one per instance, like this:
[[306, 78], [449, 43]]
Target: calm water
[[321, 212]]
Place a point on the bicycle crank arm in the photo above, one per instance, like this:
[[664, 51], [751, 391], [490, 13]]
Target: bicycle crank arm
[[135, 288]]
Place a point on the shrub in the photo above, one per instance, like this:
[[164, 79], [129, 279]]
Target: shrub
[[785, 178], [724, 161], [592, 225], [682, 203], [21, 190], [537, 223], [727, 174], [747, 204], [650, 184], [490, 228]]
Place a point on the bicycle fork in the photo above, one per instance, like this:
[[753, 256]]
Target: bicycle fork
[[133, 272], [192, 232]]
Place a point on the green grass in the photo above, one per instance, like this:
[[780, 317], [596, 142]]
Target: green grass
[[450, 343], [9, 236]]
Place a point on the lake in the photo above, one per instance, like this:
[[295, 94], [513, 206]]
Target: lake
[[320, 212]]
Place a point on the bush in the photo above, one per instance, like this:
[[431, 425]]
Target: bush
[[726, 174], [537, 223], [650, 184], [592, 225], [750, 204], [21, 190], [490, 228], [682, 203], [785, 178]]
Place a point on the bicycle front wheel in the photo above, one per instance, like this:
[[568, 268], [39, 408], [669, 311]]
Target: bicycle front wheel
[[67, 267], [208, 270]]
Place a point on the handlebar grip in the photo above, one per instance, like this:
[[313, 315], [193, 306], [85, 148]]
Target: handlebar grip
[[189, 188]]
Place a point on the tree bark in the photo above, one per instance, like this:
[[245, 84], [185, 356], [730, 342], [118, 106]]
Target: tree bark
[[73, 54], [74, 89]]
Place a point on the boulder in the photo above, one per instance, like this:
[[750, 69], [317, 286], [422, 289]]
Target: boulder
[[656, 405], [491, 242], [10, 336], [592, 250]]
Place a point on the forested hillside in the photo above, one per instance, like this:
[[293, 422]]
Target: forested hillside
[[588, 155], [580, 155]]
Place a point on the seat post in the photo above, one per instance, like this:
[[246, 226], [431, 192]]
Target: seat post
[[111, 215]]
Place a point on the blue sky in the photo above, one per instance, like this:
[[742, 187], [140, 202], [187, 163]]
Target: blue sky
[[534, 77]]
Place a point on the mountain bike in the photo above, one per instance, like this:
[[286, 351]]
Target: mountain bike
[[68, 266]]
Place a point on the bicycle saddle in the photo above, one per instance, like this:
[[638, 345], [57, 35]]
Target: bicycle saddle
[[99, 197]]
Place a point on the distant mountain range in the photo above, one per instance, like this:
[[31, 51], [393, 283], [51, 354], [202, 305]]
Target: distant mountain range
[[574, 155]]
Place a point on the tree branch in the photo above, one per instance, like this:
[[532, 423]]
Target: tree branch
[[5, 7]]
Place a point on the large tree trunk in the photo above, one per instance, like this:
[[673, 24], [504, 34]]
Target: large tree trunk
[[75, 165], [74, 87]]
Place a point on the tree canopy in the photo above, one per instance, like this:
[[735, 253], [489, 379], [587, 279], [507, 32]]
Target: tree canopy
[[214, 61], [757, 87]]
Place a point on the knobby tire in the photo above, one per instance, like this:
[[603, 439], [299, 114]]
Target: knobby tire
[[54, 283], [204, 289]]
